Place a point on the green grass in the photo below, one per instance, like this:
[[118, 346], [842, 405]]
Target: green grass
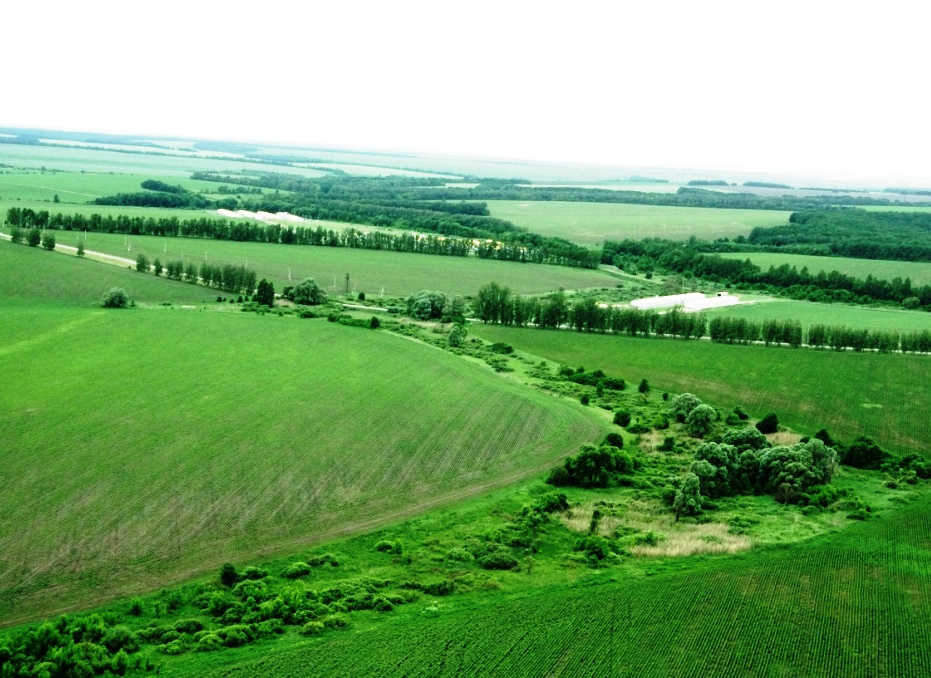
[[884, 396], [399, 273], [142, 446], [593, 223], [919, 272], [807, 313], [33, 276]]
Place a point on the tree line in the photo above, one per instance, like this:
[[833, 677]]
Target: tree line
[[688, 259], [731, 330], [229, 278]]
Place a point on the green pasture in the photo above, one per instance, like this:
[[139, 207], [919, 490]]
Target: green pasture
[[374, 171], [590, 223], [75, 159], [918, 271], [140, 447], [809, 313], [399, 273], [883, 396]]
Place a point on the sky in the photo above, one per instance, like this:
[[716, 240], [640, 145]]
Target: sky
[[810, 88]]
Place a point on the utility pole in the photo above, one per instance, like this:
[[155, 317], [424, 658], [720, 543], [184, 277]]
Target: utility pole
[[347, 283]]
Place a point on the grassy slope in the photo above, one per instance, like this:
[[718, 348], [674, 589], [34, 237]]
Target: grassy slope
[[807, 313], [142, 446], [32, 275], [593, 223], [853, 604], [400, 273], [919, 272], [885, 396]]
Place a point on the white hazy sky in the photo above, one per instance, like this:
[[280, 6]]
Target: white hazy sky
[[797, 87]]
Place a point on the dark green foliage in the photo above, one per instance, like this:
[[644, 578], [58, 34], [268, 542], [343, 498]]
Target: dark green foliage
[[622, 418], [295, 570], [821, 496], [374, 323], [644, 387], [864, 453], [34, 237], [120, 638], [456, 336], [700, 421], [229, 575], [501, 348], [552, 502], [142, 263], [687, 500], [265, 293], [48, 241], [584, 399], [825, 437], [115, 298], [17, 234], [595, 378], [307, 293], [426, 305], [768, 424], [595, 548], [189, 626], [325, 559], [614, 440], [594, 467], [661, 423], [682, 405], [746, 438]]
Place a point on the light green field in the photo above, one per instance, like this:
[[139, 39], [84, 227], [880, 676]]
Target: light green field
[[588, 223], [141, 446], [808, 313], [73, 159], [884, 396], [78, 187], [372, 171], [644, 187], [399, 273], [918, 271]]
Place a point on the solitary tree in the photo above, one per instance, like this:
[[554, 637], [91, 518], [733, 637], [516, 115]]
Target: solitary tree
[[157, 266], [115, 298], [700, 421], [48, 241], [768, 424], [644, 389], [142, 263], [688, 497], [265, 293], [34, 237], [80, 247]]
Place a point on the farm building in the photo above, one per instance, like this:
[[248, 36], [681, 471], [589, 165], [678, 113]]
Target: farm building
[[690, 302]]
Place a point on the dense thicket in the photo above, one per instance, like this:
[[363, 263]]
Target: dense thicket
[[903, 236], [689, 260]]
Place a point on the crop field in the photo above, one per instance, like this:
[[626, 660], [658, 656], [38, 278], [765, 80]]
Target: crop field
[[77, 187], [73, 159], [849, 605], [808, 313], [374, 171], [919, 272], [399, 273], [142, 446], [589, 223], [883, 396], [30, 275]]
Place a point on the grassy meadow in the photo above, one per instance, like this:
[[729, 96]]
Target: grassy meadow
[[884, 396], [142, 446], [399, 273], [918, 271], [808, 313], [593, 223]]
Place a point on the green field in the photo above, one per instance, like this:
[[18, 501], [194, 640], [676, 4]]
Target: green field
[[919, 272], [853, 604], [75, 187], [399, 273], [884, 396], [589, 223], [808, 313], [142, 446]]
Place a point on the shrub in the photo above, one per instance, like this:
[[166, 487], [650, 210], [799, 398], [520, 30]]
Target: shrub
[[313, 628], [384, 546], [336, 621], [460, 555], [135, 607], [209, 643], [34, 237], [700, 421], [661, 422], [594, 467], [595, 547], [189, 626], [456, 336], [584, 399], [552, 502], [864, 453], [496, 560], [687, 501], [768, 424], [48, 241], [325, 559], [295, 570], [682, 405], [374, 323], [115, 298], [361, 296], [120, 638], [228, 574], [622, 418], [614, 440], [253, 573]]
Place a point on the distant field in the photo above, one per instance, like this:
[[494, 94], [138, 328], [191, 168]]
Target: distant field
[[591, 224], [374, 171], [75, 159], [884, 396], [644, 187], [807, 313], [78, 187], [919, 272], [399, 273], [140, 447]]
